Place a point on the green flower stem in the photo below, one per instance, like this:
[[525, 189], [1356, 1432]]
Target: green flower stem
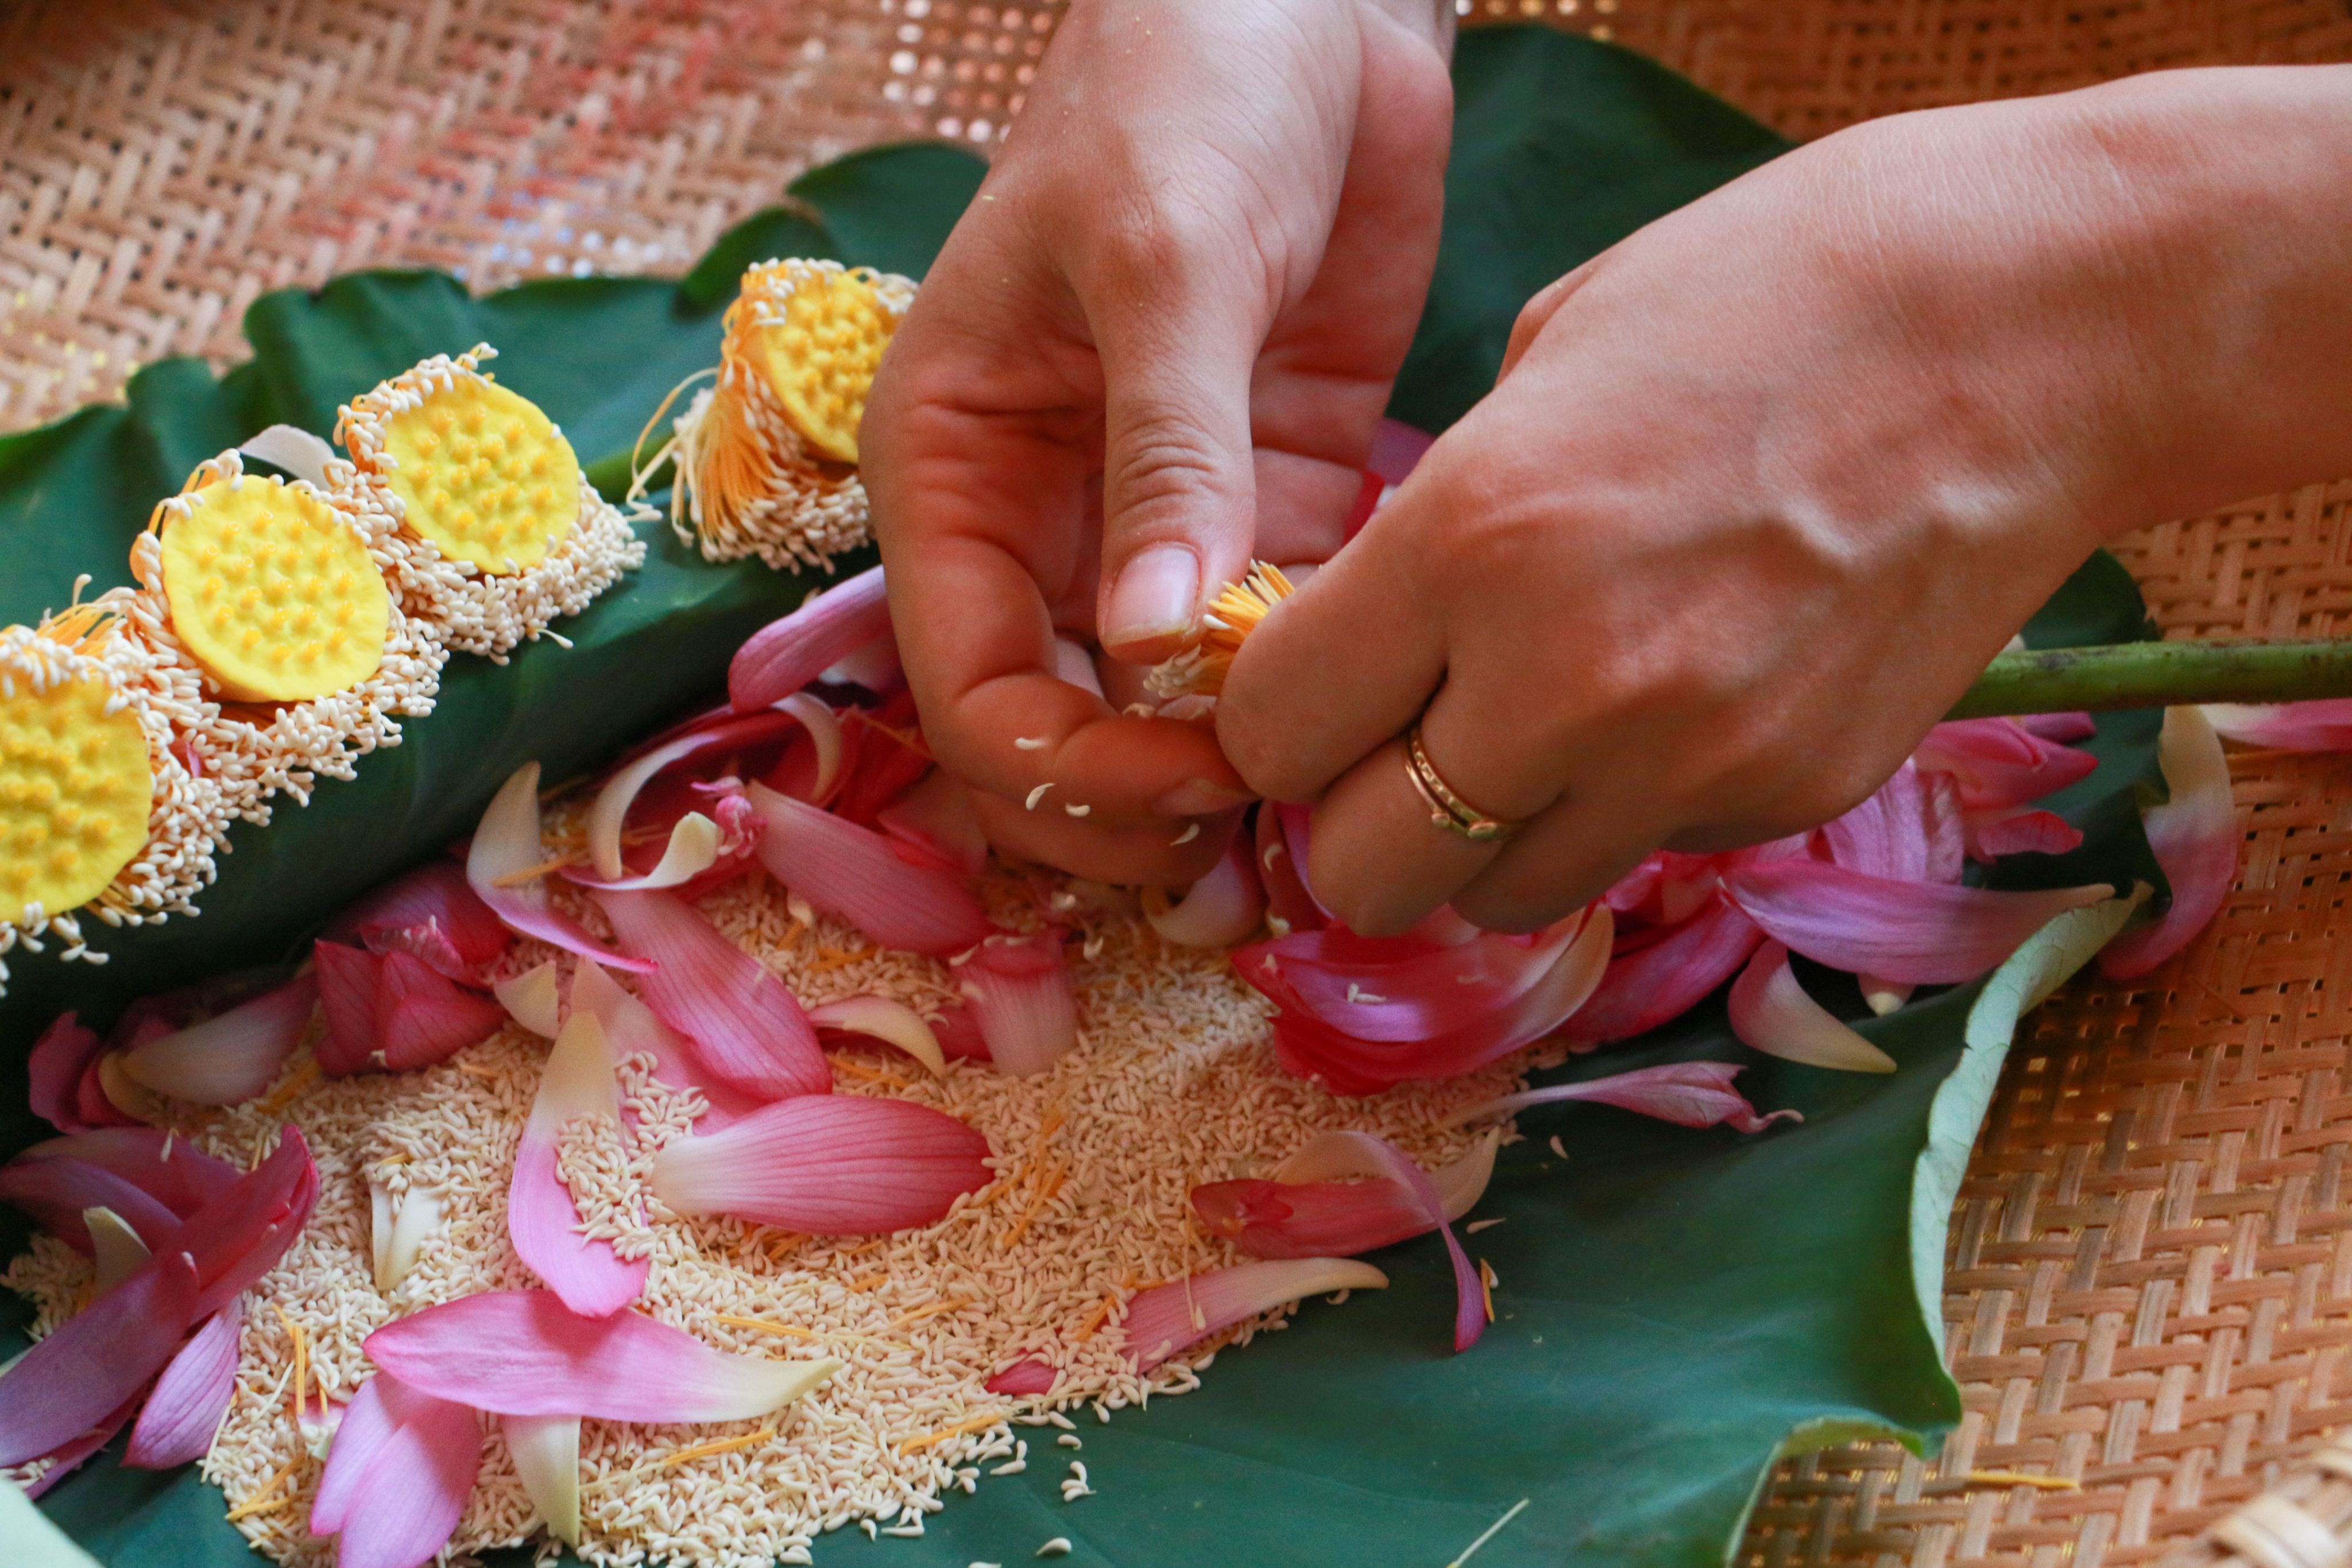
[[2158, 674]]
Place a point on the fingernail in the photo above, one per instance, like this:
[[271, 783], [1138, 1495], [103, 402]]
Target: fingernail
[[1199, 798], [1154, 598]]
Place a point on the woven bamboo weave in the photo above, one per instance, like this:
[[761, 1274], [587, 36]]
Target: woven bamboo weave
[[2150, 1284]]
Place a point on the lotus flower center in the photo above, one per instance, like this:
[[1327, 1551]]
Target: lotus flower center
[[74, 792], [485, 474]]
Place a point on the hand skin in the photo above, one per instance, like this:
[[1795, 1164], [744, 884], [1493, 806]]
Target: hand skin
[[1761, 489], [1166, 329]]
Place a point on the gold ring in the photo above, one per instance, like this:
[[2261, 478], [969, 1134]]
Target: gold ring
[[1448, 810]]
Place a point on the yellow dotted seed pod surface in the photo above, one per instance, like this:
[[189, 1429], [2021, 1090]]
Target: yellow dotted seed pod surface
[[821, 357], [485, 475], [74, 793], [272, 593]]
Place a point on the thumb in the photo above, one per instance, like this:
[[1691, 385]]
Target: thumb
[[1179, 484]]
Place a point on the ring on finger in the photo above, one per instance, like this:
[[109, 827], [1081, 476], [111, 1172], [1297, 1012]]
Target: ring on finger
[[1447, 809]]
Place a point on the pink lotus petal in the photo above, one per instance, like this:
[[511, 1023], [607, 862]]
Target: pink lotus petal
[[1399, 991], [1923, 933], [177, 1423], [232, 1057], [1165, 1319], [1024, 1378], [1687, 1093], [2061, 727], [117, 1252], [935, 817], [1019, 991], [1887, 834], [1397, 449], [630, 1028], [428, 1019], [828, 1166], [523, 1352], [785, 655], [1305, 1211], [546, 1454], [534, 998], [397, 1480], [893, 1023], [541, 1218], [903, 902], [1223, 908], [2024, 830], [97, 1359], [958, 1032], [63, 1068], [875, 665], [2322, 726], [169, 1168], [740, 1022], [239, 1236], [67, 1457], [1492, 1018], [55, 1192], [348, 979], [2196, 838], [716, 736], [1999, 762], [507, 845], [691, 849], [431, 914], [1771, 1013]]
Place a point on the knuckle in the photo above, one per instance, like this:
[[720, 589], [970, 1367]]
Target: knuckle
[[1163, 457]]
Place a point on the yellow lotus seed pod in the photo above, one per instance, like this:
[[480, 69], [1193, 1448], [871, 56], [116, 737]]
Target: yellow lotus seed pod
[[249, 645], [74, 793], [819, 347], [469, 493]]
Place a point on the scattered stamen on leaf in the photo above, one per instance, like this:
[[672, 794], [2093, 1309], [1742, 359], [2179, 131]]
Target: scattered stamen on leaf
[[1491, 1531]]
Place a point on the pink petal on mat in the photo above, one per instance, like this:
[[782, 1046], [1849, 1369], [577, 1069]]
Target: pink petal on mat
[[232, 1057], [426, 1018], [507, 845], [785, 655], [935, 817], [63, 1068], [959, 1035], [1023, 1378], [1165, 1319], [239, 1236], [1771, 1013], [1687, 1093], [893, 1023], [901, 899], [97, 1359], [2322, 726], [827, 1164], [402, 1467], [348, 980], [1918, 931], [431, 913], [1362, 1153], [167, 1167], [67, 1457], [1999, 762], [55, 1191], [177, 1423], [692, 848], [1307, 1210], [630, 1028], [542, 1220], [1400, 990], [717, 734], [523, 1352], [1224, 907], [2196, 838], [739, 1020], [1887, 834], [2022, 832], [1019, 991]]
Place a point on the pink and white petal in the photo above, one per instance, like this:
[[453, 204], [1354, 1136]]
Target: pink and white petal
[[1019, 991], [534, 998], [94, 1361], [67, 1457], [1330, 1156], [524, 1352], [2197, 841], [349, 979], [1886, 835], [58, 1192], [116, 1251], [739, 1021], [420, 1473], [1167, 1318], [716, 734], [1378, 1155], [176, 1425], [786, 654], [935, 817], [1999, 762], [1401, 990], [1309, 1218], [360, 1440], [546, 1454], [631, 1027], [2063, 727], [239, 1236], [2022, 830], [232, 1057], [1771, 1013], [1687, 1093], [1646, 987], [691, 849], [465, 933], [1226, 907], [902, 900], [542, 1220], [167, 1167], [827, 1166], [1024, 1378], [2322, 726], [505, 866], [893, 1023], [424, 1018], [1923, 933], [60, 1057]]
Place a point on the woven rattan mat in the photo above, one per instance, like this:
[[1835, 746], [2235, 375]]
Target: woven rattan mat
[[2151, 1282]]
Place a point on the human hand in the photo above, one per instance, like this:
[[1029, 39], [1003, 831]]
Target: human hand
[[1761, 489], [1157, 344]]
